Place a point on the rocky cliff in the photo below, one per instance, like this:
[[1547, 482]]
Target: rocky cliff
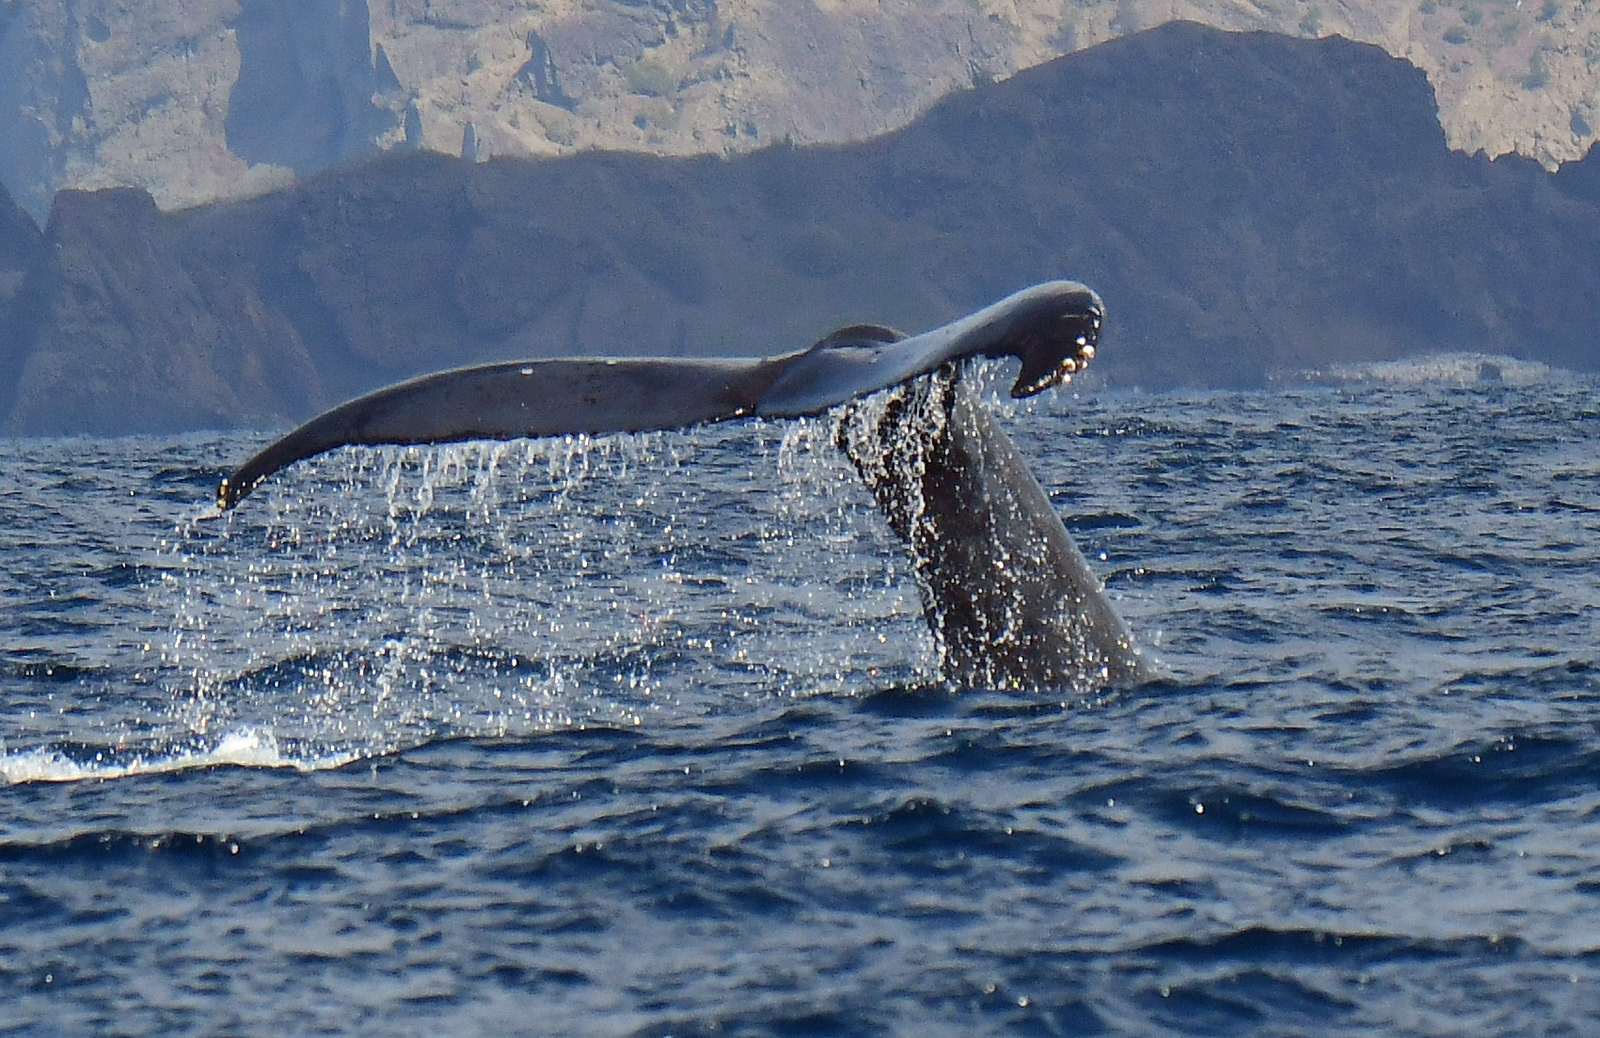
[[122, 326], [19, 240], [1246, 203], [197, 100]]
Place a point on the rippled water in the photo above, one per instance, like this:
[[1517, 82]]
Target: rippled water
[[643, 736]]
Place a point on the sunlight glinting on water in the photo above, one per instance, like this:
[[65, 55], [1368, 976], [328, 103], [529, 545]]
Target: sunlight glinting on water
[[1368, 786], [376, 598]]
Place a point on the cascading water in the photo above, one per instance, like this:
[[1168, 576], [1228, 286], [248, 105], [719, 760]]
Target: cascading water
[[380, 598]]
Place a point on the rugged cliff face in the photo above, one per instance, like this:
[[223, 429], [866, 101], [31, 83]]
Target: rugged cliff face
[[1246, 203], [19, 240], [120, 327], [198, 100], [18, 235]]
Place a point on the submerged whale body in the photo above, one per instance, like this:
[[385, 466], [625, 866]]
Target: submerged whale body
[[1009, 598]]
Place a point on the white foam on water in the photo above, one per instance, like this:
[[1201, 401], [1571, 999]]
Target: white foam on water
[[1463, 369], [244, 748]]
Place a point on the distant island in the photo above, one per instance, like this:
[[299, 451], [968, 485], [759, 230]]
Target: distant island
[[1249, 205]]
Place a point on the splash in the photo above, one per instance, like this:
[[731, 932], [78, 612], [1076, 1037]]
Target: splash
[[244, 748], [382, 599]]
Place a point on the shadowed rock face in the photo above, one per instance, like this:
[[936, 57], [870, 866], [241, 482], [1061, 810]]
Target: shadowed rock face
[[19, 241], [18, 235], [124, 331], [296, 102], [1245, 204]]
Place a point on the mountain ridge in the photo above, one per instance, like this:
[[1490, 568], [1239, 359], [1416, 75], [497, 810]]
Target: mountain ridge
[[1248, 204], [216, 99]]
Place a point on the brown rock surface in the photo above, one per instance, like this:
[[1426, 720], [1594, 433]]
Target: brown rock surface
[[217, 99], [118, 329], [1248, 204]]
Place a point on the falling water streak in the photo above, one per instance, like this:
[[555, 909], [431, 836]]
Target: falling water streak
[[382, 598]]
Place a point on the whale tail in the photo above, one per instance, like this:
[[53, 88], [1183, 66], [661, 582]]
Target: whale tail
[[1010, 600], [1051, 328]]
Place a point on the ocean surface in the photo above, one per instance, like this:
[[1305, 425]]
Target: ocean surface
[[642, 735]]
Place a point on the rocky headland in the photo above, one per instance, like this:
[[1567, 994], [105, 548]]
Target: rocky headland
[[1249, 204], [201, 100]]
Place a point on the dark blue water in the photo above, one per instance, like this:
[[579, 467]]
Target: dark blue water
[[643, 737]]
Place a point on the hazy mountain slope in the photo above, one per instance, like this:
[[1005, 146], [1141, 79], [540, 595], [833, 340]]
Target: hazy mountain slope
[[197, 100], [19, 240], [1246, 203], [121, 326]]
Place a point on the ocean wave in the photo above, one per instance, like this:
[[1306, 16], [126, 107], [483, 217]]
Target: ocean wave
[[244, 748]]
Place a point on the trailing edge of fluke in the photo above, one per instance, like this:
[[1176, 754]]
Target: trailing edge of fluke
[[1051, 328]]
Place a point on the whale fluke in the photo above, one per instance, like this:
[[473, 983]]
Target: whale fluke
[[1010, 600], [1051, 328]]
